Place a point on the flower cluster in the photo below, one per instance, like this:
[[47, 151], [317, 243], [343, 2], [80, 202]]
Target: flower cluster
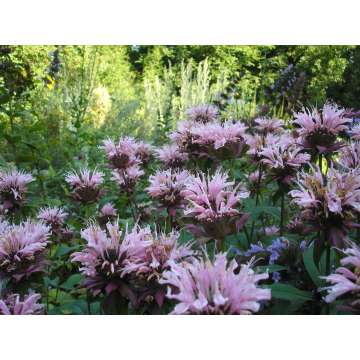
[[172, 156], [202, 287]]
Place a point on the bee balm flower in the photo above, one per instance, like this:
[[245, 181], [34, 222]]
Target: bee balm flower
[[13, 305], [202, 287]]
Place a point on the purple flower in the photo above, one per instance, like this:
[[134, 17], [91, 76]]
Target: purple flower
[[127, 178], [349, 156], [107, 213], [13, 305], [202, 287], [22, 249], [85, 184], [13, 187], [143, 151], [265, 125]]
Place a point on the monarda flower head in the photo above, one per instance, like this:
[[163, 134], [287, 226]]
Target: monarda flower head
[[203, 113], [171, 156], [123, 154], [219, 140], [163, 250], [107, 213], [110, 256], [328, 204], [13, 305], [213, 202], [349, 156], [256, 143], [283, 159], [166, 187], [54, 217], [355, 132], [205, 288], [13, 187], [127, 179], [345, 282], [22, 249], [319, 130], [267, 126], [85, 185], [143, 151]]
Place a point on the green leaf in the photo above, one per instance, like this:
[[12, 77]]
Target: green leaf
[[311, 268], [289, 292], [71, 282]]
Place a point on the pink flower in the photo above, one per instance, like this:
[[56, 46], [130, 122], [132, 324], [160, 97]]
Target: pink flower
[[319, 130], [127, 179], [202, 287], [203, 113], [349, 156], [266, 125], [166, 186], [172, 156], [211, 198], [12, 305], [123, 154], [355, 132], [271, 230], [108, 210], [22, 249], [216, 136], [143, 151], [13, 187], [328, 205], [85, 184], [344, 280], [52, 216], [110, 255], [283, 159], [256, 143]]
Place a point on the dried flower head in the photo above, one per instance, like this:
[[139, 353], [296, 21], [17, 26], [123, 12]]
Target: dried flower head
[[202, 287], [85, 185]]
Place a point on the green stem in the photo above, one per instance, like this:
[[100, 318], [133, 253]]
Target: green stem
[[282, 214]]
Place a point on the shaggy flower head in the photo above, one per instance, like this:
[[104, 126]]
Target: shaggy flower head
[[127, 179], [345, 281], [328, 205], [143, 151], [211, 198], [283, 159], [319, 130], [13, 305], [107, 213], [202, 287], [215, 136], [13, 186], [203, 113], [123, 154], [355, 132], [171, 156], [85, 184], [166, 186], [110, 255], [349, 156], [266, 126], [22, 249], [52, 216]]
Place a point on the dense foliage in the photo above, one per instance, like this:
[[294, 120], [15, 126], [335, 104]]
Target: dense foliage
[[160, 179]]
